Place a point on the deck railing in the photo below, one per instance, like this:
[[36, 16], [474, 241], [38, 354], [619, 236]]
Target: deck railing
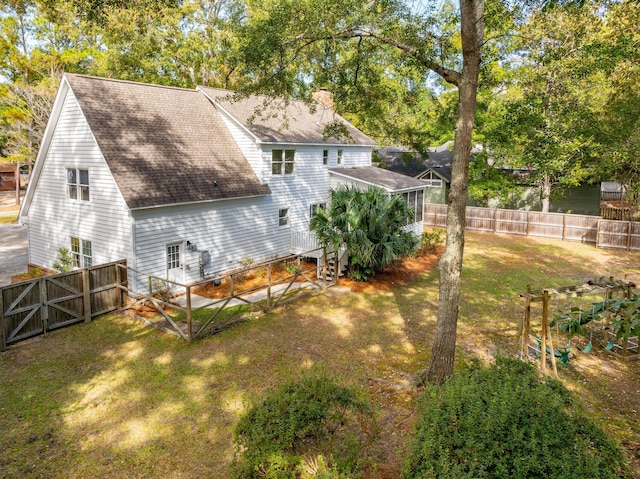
[[302, 241]]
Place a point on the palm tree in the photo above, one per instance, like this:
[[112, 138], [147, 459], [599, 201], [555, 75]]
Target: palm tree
[[370, 223]]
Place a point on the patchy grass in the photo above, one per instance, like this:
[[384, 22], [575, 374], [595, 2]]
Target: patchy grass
[[116, 399], [6, 219]]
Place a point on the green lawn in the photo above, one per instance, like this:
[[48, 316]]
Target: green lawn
[[5, 219], [116, 399]]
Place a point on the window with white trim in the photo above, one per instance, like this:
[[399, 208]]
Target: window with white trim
[[81, 253], [173, 256], [78, 184], [283, 217], [432, 179], [283, 162], [315, 207], [325, 157], [339, 157]]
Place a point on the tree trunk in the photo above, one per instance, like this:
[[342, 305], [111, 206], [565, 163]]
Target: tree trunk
[[17, 183], [545, 194], [450, 265]]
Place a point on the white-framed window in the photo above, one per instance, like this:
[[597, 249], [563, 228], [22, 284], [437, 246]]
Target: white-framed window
[[433, 180], [173, 256], [81, 253], [415, 200], [78, 184], [283, 216], [325, 157], [315, 207], [283, 162], [339, 160]]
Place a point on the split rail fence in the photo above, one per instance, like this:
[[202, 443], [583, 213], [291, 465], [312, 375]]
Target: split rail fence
[[588, 229]]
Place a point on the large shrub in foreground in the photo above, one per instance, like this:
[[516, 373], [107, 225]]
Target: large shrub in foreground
[[505, 422], [310, 427]]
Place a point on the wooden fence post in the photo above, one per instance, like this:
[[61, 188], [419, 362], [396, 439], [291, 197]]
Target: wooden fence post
[[3, 342], [543, 347], [269, 286], [118, 285], [86, 295], [189, 315], [44, 303], [564, 226]]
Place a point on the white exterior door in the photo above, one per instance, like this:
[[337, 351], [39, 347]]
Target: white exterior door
[[175, 270]]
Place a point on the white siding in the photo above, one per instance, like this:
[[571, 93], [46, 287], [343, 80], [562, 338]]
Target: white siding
[[233, 230], [229, 230], [310, 184], [53, 218], [247, 145]]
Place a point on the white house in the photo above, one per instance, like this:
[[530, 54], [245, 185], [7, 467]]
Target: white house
[[187, 183]]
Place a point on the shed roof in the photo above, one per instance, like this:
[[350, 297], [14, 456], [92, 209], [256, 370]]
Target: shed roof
[[388, 180], [163, 145], [274, 120]]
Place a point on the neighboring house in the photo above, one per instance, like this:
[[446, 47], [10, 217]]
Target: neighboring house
[[436, 170], [184, 183], [7, 177]]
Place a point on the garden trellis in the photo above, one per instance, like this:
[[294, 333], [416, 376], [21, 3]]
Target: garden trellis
[[603, 287]]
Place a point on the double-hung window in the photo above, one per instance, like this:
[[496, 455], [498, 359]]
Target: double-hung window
[[315, 207], [78, 184], [283, 162], [81, 252], [339, 160], [325, 157], [283, 217]]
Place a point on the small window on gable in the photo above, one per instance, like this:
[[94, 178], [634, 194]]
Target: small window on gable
[[283, 217], [283, 162], [325, 157], [339, 157], [433, 180], [78, 184]]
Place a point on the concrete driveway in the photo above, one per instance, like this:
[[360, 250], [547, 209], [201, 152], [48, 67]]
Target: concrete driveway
[[13, 251]]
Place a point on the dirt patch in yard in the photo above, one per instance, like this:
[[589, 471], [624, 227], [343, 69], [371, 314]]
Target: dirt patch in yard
[[401, 271]]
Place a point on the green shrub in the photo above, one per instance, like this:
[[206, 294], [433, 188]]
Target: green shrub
[[309, 427], [429, 241], [505, 422], [64, 261]]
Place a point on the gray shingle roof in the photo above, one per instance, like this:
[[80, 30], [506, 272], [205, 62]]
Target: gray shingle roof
[[271, 120], [413, 164], [385, 179], [163, 145]]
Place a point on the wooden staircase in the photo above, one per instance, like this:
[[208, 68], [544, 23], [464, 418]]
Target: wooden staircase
[[335, 268]]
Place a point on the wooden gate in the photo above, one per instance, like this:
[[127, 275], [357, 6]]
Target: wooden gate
[[43, 304], [21, 305]]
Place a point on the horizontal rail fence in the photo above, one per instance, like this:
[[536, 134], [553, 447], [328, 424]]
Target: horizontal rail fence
[[191, 311], [39, 305], [588, 229]]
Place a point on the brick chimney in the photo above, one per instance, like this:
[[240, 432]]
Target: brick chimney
[[323, 97]]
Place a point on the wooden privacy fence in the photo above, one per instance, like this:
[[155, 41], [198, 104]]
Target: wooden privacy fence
[[36, 306], [588, 229]]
